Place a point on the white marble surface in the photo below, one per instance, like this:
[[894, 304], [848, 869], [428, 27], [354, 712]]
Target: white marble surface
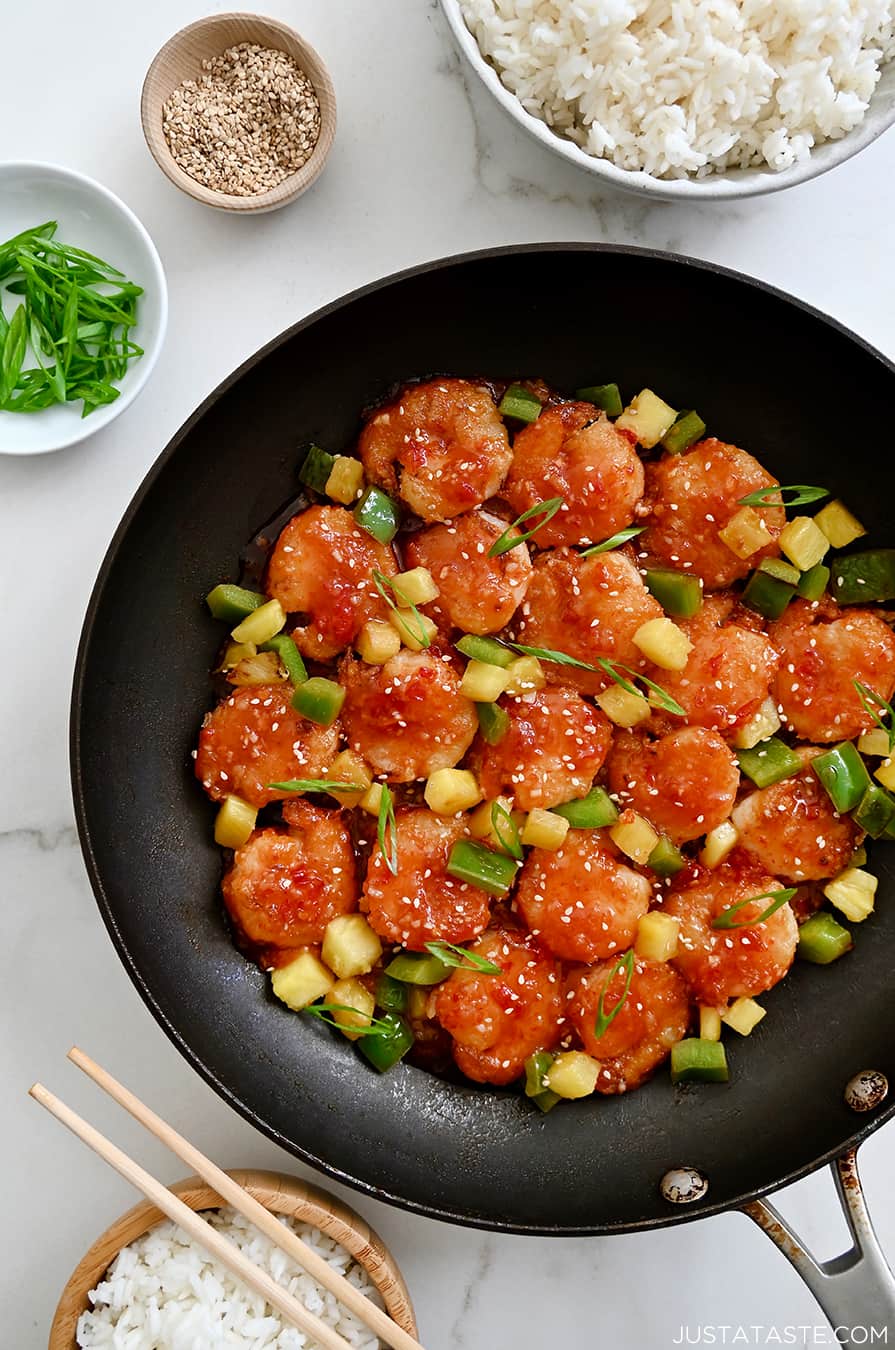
[[423, 165]]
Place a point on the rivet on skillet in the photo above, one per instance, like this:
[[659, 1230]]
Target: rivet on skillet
[[866, 1090], [683, 1185]]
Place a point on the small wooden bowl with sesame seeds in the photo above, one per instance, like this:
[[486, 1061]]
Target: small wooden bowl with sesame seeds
[[282, 124]]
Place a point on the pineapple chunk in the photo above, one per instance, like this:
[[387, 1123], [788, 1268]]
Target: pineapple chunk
[[838, 524], [303, 981], [236, 652], [371, 799], [526, 675], [234, 822], [622, 707], [743, 1015], [572, 1075], [709, 1024], [416, 587], [448, 791], [719, 842], [261, 625], [853, 892], [544, 829], [885, 774], [745, 533], [346, 480], [803, 543], [378, 642], [418, 1001], [416, 631], [648, 416], [657, 936], [634, 836], [762, 724], [663, 643], [875, 742], [348, 767], [480, 825], [483, 683], [350, 947], [262, 668], [352, 994]]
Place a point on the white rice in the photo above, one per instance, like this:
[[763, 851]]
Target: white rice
[[165, 1293], [680, 87]]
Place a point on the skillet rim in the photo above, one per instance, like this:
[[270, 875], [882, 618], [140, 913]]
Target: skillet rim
[[456, 1216]]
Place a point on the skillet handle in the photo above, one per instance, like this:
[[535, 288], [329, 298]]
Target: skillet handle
[[855, 1290]]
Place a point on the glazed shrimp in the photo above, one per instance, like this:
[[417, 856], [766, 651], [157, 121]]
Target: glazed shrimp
[[583, 900], [724, 963], [685, 783], [408, 717], [254, 738], [654, 1015], [421, 903], [477, 593], [587, 608], [792, 830], [321, 568], [574, 452], [691, 497], [554, 746], [441, 446], [823, 649], [284, 887], [497, 1021]]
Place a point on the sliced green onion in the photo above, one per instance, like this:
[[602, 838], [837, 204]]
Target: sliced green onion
[[391, 994], [822, 939], [605, 1019], [875, 811], [549, 654], [378, 515], [508, 540], [684, 432], [862, 578], [324, 1011], [389, 1046], [312, 785], [769, 762], [460, 958], [592, 812], [387, 830], [614, 541], [813, 583], [873, 701], [605, 396], [777, 898], [289, 655], [415, 968], [494, 722], [519, 403], [316, 469], [661, 697], [381, 581], [666, 859], [843, 774], [697, 1061], [232, 603], [802, 495], [319, 700], [479, 866], [485, 649], [679, 593], [506, 832]]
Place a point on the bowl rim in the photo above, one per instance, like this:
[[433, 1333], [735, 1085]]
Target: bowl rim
[[281, 1193], [87, 427], [297, 182], [730, 185]]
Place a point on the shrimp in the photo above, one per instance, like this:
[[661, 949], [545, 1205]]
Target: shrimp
[[823, 649], [728, 672], [654, 1015], [582, 900], [587, 608], [321, 567], [691, 497], [407, 718], [442, 446], [284, 887], [685, 783], [792, 830], [497, 1021], [724, 963], [551, 751], [576, 453], [421, 903], [255, 738], [476, 593]]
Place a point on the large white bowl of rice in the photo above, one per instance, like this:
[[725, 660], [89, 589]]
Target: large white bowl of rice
[[690, 99]]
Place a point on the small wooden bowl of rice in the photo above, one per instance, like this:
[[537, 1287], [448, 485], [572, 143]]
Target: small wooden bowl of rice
[[149, 1280]]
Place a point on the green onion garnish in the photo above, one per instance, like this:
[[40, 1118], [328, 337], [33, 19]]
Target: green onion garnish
[[605, 1019], [615, 541], [314, 785], [610, 668], [502, 820], [508, 540], [381, 581], [777, 898], [461, 958], [385, 828], [803, 496], [549, 654], [871, 701], [324, 1011]]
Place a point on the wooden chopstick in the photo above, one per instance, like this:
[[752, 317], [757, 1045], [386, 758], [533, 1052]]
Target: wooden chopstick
[[192, 1223], [231, 1191]]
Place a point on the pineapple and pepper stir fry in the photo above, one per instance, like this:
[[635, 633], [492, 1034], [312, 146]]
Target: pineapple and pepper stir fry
[[569, 728]]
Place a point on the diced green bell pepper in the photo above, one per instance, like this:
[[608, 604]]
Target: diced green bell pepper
[[843, 774], [535, 1067], [861, 578], [666, 859], [683, 433], [472, 862], [875, 811], [417, 968], [519, 403], [494, 722], [698, 1061], [319, 700], [316, 469], [289, 655], [769, 762], [605, 396], [770, 588], [487, 650], [385, 1048], [813, 583], [677, 592], [591, 812], [378, 515], [391, 994], [232, 603], [822, 939]]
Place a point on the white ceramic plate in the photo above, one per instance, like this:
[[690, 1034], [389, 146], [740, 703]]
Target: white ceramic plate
[[717, 187], [93, 218]]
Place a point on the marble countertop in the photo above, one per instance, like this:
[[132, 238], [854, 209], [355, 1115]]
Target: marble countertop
[[424, 165]]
